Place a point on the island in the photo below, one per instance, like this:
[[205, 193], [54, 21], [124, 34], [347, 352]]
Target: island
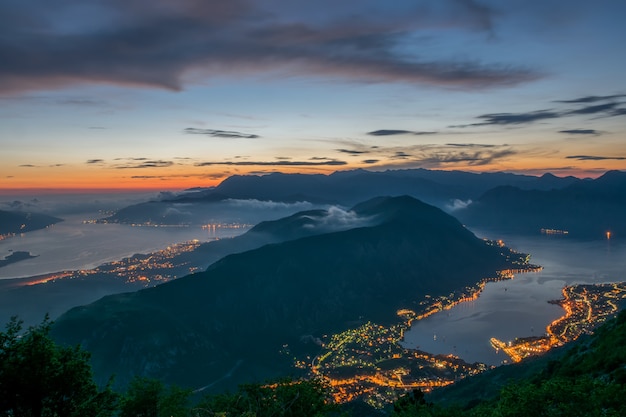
[[16, 257]]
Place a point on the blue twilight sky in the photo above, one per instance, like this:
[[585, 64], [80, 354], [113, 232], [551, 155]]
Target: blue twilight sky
[[175, 93]]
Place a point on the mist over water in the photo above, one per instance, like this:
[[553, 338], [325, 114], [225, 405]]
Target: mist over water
[[519, 307]]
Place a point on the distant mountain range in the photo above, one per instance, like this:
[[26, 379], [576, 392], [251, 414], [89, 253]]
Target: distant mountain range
[[344, 188], [229, 324], [14, 222], [585, 209]]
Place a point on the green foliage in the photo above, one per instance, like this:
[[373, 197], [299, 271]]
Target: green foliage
[[285, 398], [40, 378], [149, 398]]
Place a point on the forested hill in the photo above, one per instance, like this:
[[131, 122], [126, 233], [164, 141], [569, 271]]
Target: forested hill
[[230, 324], [13, 222]]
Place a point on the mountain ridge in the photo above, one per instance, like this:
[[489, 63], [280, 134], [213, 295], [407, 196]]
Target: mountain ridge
[[195, 329]]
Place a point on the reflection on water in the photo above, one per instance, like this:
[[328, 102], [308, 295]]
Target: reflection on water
[[519, 307]]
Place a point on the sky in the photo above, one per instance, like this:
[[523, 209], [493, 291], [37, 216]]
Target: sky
[[171, 94]]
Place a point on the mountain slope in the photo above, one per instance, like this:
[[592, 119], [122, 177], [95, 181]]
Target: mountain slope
[[587, 209], [21, 222], [227, 325]]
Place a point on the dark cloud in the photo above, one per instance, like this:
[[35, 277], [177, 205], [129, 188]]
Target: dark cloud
[[592, 99], [220, 133], [145, 164], [27, 166], [44, 46], [470, 145], [388, 132], [598, 108], [400, 155], [580, 132], [595, 158], [329, 162], [515, 118], [351, 151], [370, 161], [97, 127], [95, 161], [603, 110], [391, 132]]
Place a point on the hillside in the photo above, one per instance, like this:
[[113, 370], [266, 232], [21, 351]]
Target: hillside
[[587, 209], [13, 222], [34, 297], [227, 325]]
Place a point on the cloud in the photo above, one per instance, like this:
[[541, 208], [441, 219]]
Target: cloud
[[470, 145], [144, 163], [46, 46], [596, 158], [27, 166], [477, 158], [599, 108], [329, 162], [351, 151], [95, 161], [513, 118], [370, 161], [592, 99], [457, 204], [388, 132], [581, 132], [400, 155], [392, 132], [605, 109], [268, 205], [220, 133], [336, 219]]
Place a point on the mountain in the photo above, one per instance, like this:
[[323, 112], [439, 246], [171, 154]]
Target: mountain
[[13, 222], [349, 187], [229, 324], [34, 297], [586, 209], [346, 188]]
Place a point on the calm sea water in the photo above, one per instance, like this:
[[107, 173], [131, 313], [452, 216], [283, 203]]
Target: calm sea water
[[72, 244], [519, 307]]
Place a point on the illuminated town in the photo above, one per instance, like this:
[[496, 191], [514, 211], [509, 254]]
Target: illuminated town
[[145, 270], [586, 306], [369, 362]]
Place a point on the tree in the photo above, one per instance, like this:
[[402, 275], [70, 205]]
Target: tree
[[285, 398], [147, 397], [40, 378]]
